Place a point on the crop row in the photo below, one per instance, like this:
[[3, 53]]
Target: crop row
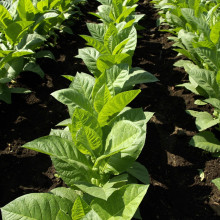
[[25, 26], [94, 151], [196, 29]]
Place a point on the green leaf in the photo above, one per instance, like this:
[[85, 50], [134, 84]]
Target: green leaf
[[5, 18], [61, 215], [97, 31], [26, 10], [66, 193], [207, 80], [122, 204], [214, 102], [34, 67], [215, 33], [131, 34], [140, 172], [15, 31], [45, 54], [96, 44], [80, 209], [82, 118], [88, 141], [119, 48], [31, 41], [106, 190], [89, 56], [217, 182], [111, 31], [116, 76], [206, 141], [70, 164], [138, 75], [116, 105], [118, 143], [36, 206], [92, 215], [203, 119], [72, 99], [208, 56], [105, 62], [61, 133], [126, 12], [101, 98], [14, 67], [83, 83]]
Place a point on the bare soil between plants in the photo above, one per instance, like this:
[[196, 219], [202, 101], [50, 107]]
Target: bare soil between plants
[[177, 191]]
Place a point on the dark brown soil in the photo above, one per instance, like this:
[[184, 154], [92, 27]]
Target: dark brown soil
[[176, 190]]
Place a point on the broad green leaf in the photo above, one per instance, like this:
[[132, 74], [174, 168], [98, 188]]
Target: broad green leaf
[[16, 30], [203, 119], [126, 12], [116, 76], [97, 31], [95, 191], [61, 133], [111, 31], [65, 193], [65, 122], [118, 49], [207, 80], [72, 99], [217, 182], [45, 54], [137, 76], [101, 98], [208, 56], [105, 2], [135, 115], [117, 9], [80, 209], [26, 10], [88, 141], [214, 102], [81, 118], [4, 53], [92, 215], [36, 206], [122, 204], [14, 67], [61, 215], [117, 143], [131, 34], [89, 56], [116, 105], [70, 164], [20, 53], [34, 67], [206, 141], [105, 62], [42, 6], [140, 172], [5, 18], [83, 83], [96, 44], [106, 190], [31, 41], [215, 33]]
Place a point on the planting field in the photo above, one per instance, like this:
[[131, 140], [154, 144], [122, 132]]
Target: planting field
[[177, 190]]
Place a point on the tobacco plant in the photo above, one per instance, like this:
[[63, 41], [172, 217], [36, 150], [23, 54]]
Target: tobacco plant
[[24, 27], [196, 25], [95, 150]]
